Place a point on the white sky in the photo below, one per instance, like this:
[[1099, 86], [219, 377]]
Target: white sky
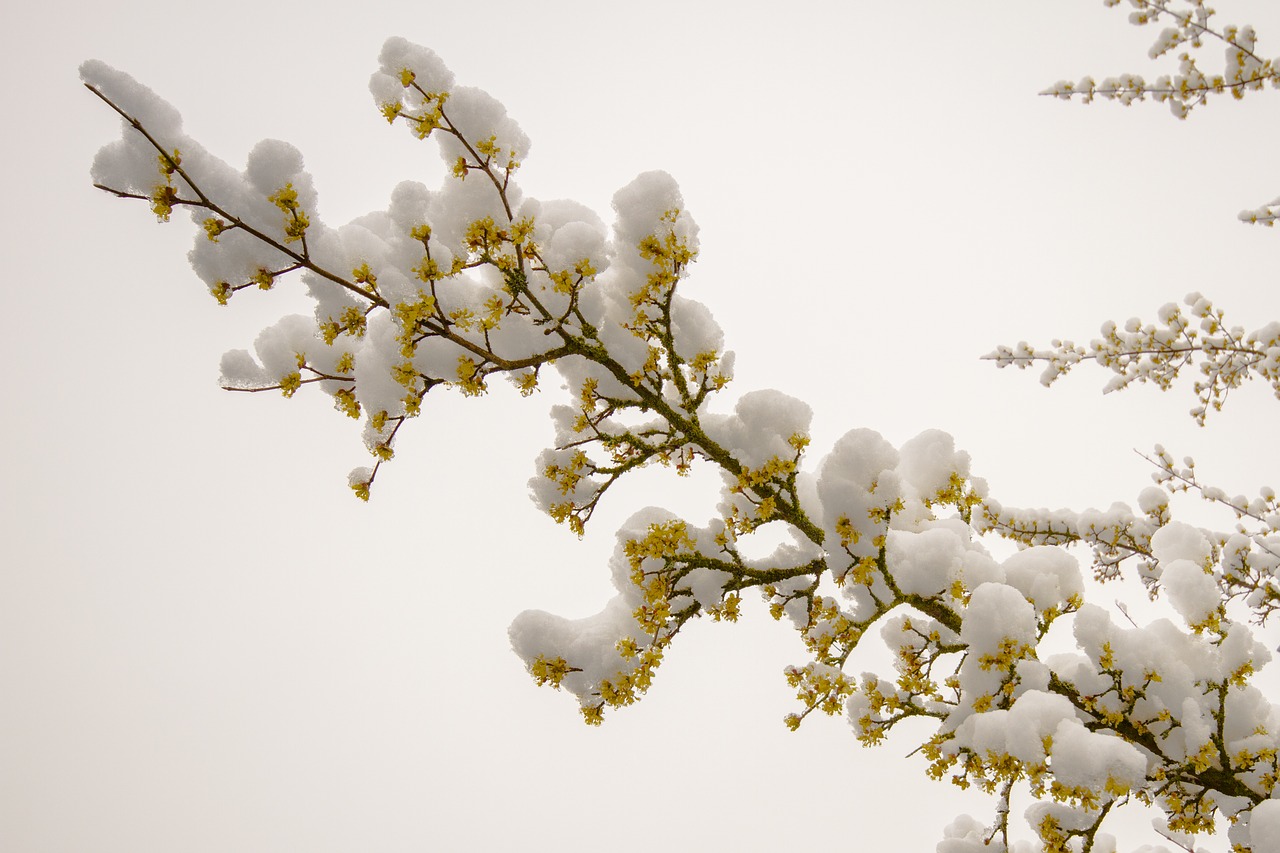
[[206, 644]]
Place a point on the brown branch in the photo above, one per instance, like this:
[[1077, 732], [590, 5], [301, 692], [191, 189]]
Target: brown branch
[[204, 201]]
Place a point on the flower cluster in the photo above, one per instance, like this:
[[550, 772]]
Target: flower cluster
[[1226, 356], [1187, 25]]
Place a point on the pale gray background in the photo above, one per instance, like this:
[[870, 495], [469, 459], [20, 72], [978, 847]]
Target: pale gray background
[[206, 644]]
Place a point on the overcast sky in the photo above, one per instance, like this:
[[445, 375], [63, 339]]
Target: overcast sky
[[207, 644]]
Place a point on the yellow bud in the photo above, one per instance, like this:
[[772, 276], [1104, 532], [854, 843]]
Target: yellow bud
[[213, 227], [290, 383]]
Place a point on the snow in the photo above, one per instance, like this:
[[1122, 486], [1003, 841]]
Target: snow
[[1180, 541], [588, 644], [1152, 498], [158, 116], [1192, 591], [966, 834], [1264, 827], [760, 426], [928, 462], [640, 206], [997, 621], [1019, 731], [272, 164], [568, 233], [399, 54], [1047, 576], [239, 370], [924, 563], [997, 613], [852, 479], [477, 115], [279, 345]]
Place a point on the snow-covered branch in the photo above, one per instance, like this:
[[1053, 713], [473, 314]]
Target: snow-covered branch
[[449, 287]]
